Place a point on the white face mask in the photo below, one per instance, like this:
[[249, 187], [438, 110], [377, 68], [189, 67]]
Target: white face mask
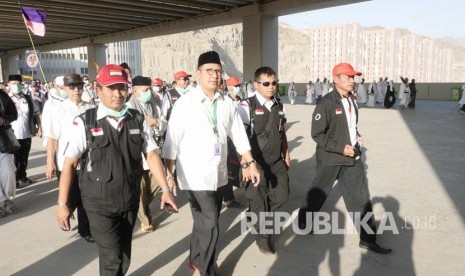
[[16, 89], [236, 90], [156, 88]]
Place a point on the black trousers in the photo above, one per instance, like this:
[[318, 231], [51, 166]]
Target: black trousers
[[228, 192], [354, 189], [21, 157], [113, 234], [75, 202], [205, 208], [270, 194]]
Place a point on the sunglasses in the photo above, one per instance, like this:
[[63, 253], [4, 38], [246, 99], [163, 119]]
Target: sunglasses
[[267, 83], [73, 86], [184, 79]]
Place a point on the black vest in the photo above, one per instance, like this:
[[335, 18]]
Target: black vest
[[265, 142], [111, 169], [173, 97]]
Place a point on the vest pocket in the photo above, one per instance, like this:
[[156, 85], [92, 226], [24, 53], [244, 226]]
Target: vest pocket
[[96, 147], [97, 186]]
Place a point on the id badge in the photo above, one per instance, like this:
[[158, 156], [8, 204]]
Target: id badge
[[217, 149]]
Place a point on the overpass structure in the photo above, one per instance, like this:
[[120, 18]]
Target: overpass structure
[[93, 23]]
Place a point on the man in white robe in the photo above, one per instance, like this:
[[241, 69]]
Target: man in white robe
[[362, 92]]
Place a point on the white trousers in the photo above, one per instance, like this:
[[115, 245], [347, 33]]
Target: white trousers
[[7, 176]]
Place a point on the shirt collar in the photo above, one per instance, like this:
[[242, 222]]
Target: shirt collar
[[202, 97], [263, 101], [102, 114]]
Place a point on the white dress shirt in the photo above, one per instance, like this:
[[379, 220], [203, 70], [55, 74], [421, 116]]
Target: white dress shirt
[[191, 141], [55, 117], [349, 108], [244, 108], [21, 126], [76, 134]]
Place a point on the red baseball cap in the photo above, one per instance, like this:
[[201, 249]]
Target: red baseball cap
[[181, 74], [233, 81], [157, 82], [112, 74], [346, 69]]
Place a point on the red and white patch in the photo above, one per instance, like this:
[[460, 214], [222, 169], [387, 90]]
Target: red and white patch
[[98, 131], [259, 111], [174, 98], [115, 72], [338, 111]]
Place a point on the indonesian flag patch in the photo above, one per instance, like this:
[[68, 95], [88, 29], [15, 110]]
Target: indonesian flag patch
[[115, 72], [98, 131], [338, 111], [259, 111]]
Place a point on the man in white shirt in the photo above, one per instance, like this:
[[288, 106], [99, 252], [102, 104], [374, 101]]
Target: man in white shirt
[[110, 139], [26, 126], [263, 116], [196, 138], [181, 79], [54, 119], [143, 101]]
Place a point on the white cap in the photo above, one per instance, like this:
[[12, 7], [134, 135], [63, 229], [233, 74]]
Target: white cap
[[59, 81]]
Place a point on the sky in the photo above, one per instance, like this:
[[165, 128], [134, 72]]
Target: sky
[[432, 18]]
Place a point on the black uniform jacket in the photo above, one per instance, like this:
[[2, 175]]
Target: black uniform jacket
[[331, 131]]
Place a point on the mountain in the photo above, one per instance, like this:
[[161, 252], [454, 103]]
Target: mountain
[[164, 55]]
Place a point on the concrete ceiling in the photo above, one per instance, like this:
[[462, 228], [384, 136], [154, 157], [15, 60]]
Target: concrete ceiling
[[76, 19], [72, 23]]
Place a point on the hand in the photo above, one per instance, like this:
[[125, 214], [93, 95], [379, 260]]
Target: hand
[[63, 215], [287, 163], [349, 151], [39, 133], [151, 121], [50, 170], [254, 174], [167, 199]]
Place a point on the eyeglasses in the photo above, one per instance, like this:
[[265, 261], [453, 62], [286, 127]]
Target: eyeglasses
[[267, 83], [73, 86], [217, 71]]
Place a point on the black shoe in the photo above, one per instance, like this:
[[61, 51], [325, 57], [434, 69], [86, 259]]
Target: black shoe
[[88, 238], [264, 246], [374, 247], [24, 180]]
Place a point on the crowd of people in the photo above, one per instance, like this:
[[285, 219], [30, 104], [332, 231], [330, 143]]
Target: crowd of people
[[118, 142], [381, 93]]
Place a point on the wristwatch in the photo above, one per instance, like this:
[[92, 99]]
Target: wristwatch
[[245, 165]]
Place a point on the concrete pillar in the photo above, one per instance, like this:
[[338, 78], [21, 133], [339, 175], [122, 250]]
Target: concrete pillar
[[11, 66], [260, 36], [4, 61], [96, 57]]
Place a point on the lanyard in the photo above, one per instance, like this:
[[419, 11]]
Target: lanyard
[[213, 119]]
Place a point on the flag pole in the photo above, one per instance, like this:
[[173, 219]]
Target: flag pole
[[38, 59]]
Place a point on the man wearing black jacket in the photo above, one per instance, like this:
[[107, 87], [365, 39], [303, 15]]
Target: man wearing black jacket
[[334, 129], [8, 114]]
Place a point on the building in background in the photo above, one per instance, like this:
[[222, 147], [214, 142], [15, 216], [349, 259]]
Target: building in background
[[61, 62], [379, 52]]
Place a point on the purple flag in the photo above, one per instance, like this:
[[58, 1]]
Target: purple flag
[[34, 20]]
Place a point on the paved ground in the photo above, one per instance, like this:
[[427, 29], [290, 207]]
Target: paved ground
[[415, 162]]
